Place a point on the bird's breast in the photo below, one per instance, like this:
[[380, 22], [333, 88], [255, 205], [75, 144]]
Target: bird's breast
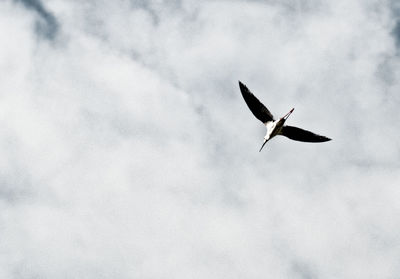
[[273, 128], [270, 125]]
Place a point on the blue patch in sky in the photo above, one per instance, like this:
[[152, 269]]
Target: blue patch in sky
[[396, 33], [47, 25]]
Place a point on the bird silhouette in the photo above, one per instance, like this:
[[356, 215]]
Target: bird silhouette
[[276, 127]]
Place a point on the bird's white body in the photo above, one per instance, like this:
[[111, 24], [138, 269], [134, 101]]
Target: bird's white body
[[271, 127], [274, 127]]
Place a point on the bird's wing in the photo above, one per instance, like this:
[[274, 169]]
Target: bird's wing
[[298, 134], [256, 107]]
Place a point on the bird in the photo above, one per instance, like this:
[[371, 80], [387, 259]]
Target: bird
[[276, 127]]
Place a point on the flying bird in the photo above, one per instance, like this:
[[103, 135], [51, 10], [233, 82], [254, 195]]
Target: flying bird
[[276, 127]]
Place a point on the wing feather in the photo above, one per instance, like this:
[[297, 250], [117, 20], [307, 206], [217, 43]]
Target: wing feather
[[256, 107], [298, 134]]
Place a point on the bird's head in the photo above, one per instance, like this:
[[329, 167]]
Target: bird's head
[[266, 138]]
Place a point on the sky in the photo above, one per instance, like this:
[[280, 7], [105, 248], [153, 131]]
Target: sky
[[127, 151]]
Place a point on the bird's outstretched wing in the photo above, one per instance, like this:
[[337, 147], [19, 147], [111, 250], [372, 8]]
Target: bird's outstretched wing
[[298, 134], [256, 107]]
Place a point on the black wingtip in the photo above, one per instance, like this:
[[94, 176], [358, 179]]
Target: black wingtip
[[243, 87]]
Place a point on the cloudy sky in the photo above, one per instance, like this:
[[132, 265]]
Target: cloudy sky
[[126, 150]]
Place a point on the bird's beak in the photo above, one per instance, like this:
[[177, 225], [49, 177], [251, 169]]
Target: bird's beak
[[265, 141], [287, 114]]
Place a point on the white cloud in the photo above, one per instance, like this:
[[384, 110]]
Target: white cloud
[[127, 151]]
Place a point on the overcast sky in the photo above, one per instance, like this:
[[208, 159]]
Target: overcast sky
[[127, 151]]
